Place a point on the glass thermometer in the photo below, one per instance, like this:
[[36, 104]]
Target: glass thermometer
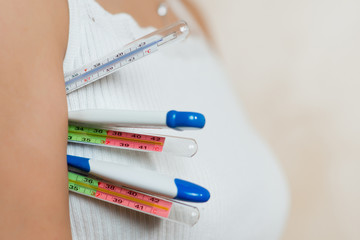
[[132, 199], [131, 52], [179, 146]]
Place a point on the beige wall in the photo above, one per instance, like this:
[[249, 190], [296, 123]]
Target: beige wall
[[296, 68]]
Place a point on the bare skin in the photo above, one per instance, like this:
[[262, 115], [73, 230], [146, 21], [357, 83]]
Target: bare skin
[[33, 120]]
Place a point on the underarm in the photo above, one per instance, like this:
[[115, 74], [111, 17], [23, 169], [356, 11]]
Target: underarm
[[33, 120]]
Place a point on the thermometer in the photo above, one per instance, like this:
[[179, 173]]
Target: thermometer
[[131, 199], [131, 52], [137, 141]]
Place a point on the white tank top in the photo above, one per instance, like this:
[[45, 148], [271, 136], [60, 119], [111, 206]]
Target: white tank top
[[249, 197]]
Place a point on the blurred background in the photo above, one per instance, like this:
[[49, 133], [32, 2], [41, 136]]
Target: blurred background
[[296, 67]]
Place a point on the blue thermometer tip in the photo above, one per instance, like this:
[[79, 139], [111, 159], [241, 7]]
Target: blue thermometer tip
[[175, 119], [78, 162], [188, 191]]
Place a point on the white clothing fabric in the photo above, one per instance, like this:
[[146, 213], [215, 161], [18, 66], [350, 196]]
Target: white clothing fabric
[[249, 197]]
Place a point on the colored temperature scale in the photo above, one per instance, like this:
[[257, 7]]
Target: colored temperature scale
[[179, 146], [118, 195], [110, 138], [141, 202]]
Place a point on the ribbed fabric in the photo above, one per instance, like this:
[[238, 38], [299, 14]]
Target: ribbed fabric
[[249, 198]]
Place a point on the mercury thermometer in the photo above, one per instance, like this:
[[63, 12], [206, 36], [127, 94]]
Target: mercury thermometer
[[133, 51], [132, 199]]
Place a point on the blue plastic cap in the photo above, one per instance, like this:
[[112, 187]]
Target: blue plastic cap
[[191, 192], [175, 119], [79, 162]]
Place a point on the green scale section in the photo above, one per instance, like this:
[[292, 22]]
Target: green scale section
[[82, 184], [100, 132], [81, 137], [88, 135]]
